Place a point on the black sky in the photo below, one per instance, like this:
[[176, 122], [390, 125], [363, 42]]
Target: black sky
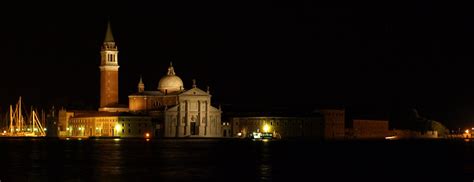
[[368, 56]]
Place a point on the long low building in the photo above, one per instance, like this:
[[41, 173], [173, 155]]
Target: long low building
[[283, 127], [106, 124], [370, 129], [323, 124]]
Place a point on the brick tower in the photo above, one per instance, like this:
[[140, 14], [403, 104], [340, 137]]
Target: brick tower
[[108, 72]]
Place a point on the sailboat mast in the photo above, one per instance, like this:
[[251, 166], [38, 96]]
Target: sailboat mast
[[11, 120], [20, 119]]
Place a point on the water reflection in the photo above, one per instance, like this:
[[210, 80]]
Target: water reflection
[[226, 160], [265, 167], [108, 159]]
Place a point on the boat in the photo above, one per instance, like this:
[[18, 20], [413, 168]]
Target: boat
[[21, 127]]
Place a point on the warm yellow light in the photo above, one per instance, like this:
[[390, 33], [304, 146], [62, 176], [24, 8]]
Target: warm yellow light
[[467, 131], [147, 135], [4, 131], [97, 128], [117, 127], [266, 128], [67, 129], [239, 134]]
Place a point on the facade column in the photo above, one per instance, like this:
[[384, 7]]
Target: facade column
[[178, 120], [187, 120], [202, 126], [208, 124], [164, 127]]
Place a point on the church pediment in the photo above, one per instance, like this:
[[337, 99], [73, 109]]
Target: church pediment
[[194, 91], [174, 108], [213, 109]]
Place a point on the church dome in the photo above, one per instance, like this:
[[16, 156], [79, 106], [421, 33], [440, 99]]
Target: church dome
[[170, 83]]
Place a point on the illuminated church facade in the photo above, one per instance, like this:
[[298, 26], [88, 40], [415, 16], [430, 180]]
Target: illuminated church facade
[[183, 112], [170, 110]]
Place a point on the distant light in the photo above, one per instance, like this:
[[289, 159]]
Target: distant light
[[45, 129], [4, 131], [147, 139], [390, 137], [239, 134], [79, 139], [467, 131], [17, 129], [97, 128], [117, 127], [67, 129], [147, 135], [266, 128], [116, 139], [67, 138], [256, 135], [28, 129]]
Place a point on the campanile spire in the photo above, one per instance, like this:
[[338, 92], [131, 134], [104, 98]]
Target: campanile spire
[[108, 71]]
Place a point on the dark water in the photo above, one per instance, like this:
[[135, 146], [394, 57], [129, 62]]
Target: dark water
[[234, 160]]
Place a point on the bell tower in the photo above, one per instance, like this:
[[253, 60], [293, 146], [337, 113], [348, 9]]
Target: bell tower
[[108, 71], [141, 86]]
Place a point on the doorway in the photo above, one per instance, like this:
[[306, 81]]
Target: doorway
[[194, 128]]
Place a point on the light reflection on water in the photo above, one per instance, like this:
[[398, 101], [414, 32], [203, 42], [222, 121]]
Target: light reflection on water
[[225, 160], [265, 168]]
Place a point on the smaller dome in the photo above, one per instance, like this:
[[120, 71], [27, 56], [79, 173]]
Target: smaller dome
[[170, 83]]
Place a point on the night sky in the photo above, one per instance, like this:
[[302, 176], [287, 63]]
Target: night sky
[[370, 57]]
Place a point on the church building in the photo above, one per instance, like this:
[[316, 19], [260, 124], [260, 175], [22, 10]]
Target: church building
[[169, 110]]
